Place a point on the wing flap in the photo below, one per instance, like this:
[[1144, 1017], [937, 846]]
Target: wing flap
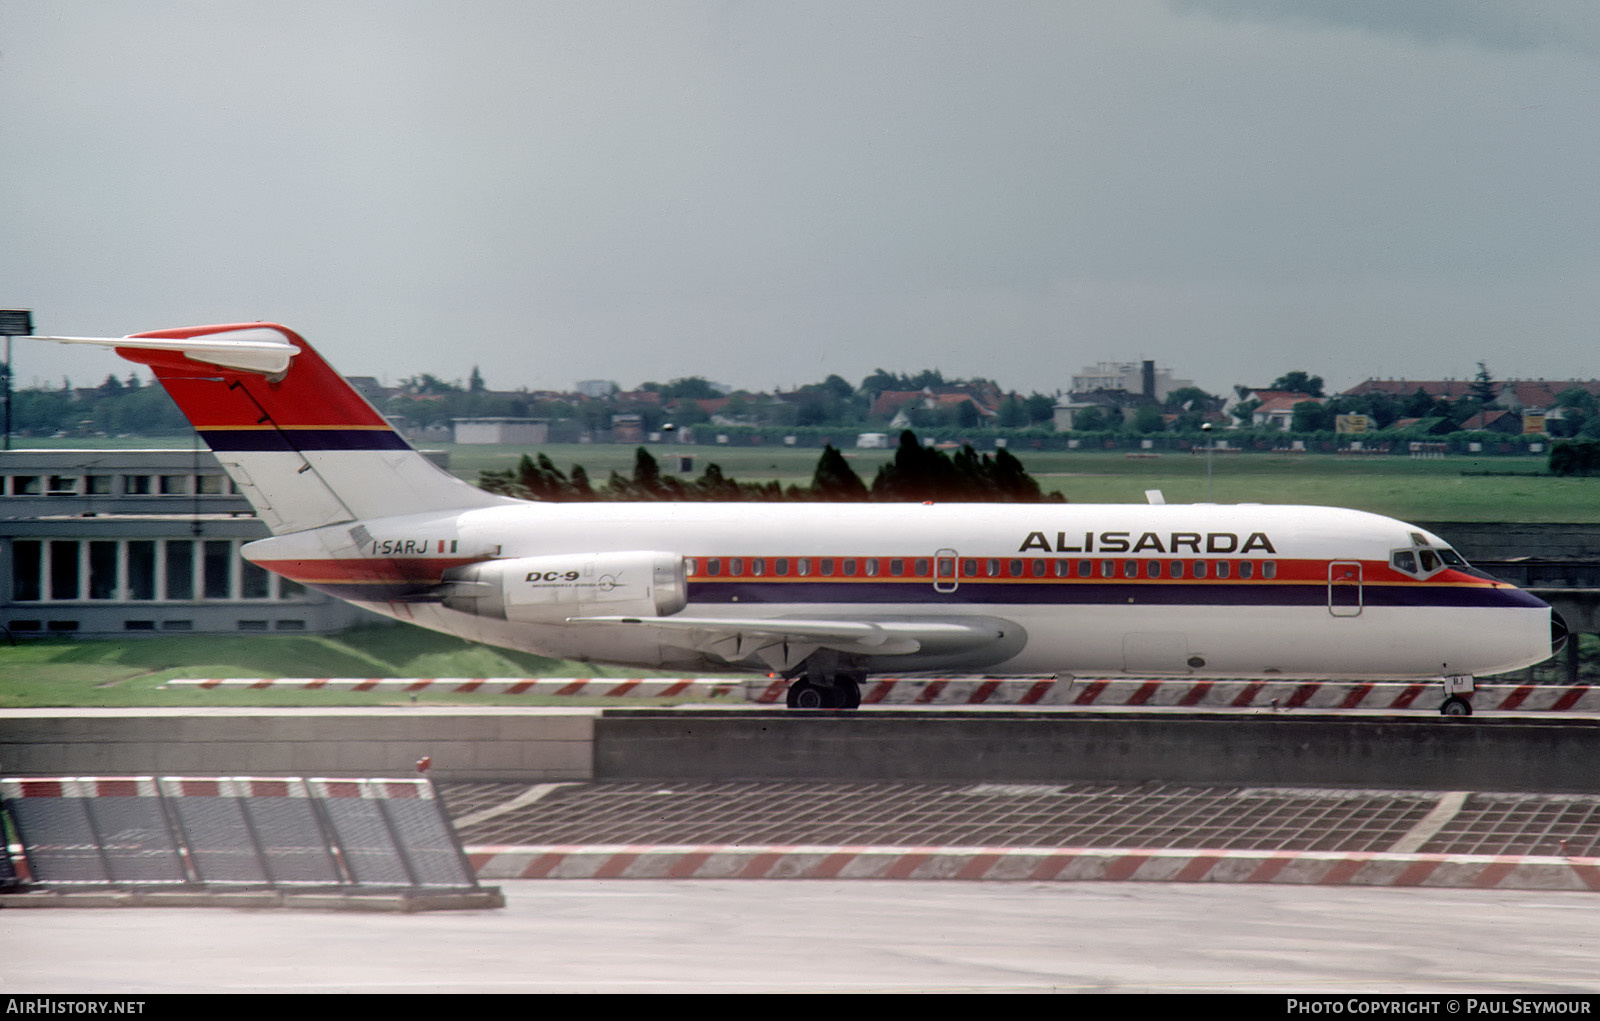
[[791, 639]]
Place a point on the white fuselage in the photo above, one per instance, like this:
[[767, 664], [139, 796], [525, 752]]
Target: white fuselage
[[1192, 590]]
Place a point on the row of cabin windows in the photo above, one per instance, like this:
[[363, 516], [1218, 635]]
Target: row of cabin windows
[[108, 485], [970, 567], [137, 570]]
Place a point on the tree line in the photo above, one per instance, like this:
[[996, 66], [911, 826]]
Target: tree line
[[916, 473]]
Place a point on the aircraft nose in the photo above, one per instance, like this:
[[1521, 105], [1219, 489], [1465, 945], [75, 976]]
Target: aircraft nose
[[1558, 633]]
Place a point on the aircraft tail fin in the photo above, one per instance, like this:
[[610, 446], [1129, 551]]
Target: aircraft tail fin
[[302, 444]]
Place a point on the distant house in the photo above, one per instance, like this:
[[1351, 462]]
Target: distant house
[[898, 405], [369, 387], [525, 432], [627, 428], [1525, 396], [1494, 421], [1436, 425], [1276, 407]]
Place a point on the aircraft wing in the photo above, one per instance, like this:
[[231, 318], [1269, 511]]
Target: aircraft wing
[[782, 642]]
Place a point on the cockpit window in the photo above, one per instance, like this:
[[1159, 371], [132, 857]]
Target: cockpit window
[[1426, 561]]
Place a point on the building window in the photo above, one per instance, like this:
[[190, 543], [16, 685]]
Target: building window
[[63, 485], [64, 560], [103, 569], [252, 625], [24, 485], [136, 485], [174, 485], [209, 485], [218, 569], [141, 569], [180, 569], [27, 561], [138, 625], [290, 625], [254, 581], [98, 485]]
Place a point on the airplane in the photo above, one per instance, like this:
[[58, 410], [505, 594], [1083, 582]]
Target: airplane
[[827, 595]]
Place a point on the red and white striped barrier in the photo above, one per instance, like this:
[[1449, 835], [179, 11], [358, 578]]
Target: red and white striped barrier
[[1322, 868], [1117, 693], [570, 687], [15, 789], [1204, 694]]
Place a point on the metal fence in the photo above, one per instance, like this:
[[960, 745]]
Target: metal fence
[[288, 833]]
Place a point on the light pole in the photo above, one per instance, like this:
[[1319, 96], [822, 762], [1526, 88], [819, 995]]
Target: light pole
[[14, 322], [1205, 427]]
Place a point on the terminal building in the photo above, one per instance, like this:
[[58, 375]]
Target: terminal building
[[103, 543]]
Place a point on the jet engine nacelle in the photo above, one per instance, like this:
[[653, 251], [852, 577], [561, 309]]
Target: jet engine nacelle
[[551, 589]]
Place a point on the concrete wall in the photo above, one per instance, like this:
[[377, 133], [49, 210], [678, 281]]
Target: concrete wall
[[487, 743], [1478, 540], [1434, 753], [1479, 753]]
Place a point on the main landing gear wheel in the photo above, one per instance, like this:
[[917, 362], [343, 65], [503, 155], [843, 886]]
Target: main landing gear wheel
[[843, 693], [849, 693], [1455, 705], [805, 695]]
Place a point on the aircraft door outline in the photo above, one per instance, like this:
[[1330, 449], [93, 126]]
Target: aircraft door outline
[[1344, 588], [945, 567]]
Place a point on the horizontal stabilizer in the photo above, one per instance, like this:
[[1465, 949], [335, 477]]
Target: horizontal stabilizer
[[250, 349]]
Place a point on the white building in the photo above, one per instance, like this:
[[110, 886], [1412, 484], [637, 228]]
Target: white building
[[523, 432], [1129, 376], [99, 543]]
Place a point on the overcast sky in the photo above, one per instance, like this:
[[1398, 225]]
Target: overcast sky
[[768, 192]]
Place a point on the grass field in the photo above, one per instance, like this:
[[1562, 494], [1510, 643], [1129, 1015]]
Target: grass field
[[130, 672], [1444, 489]]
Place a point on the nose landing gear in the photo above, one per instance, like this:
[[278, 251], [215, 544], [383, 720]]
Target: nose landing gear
[[1456, 688]]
